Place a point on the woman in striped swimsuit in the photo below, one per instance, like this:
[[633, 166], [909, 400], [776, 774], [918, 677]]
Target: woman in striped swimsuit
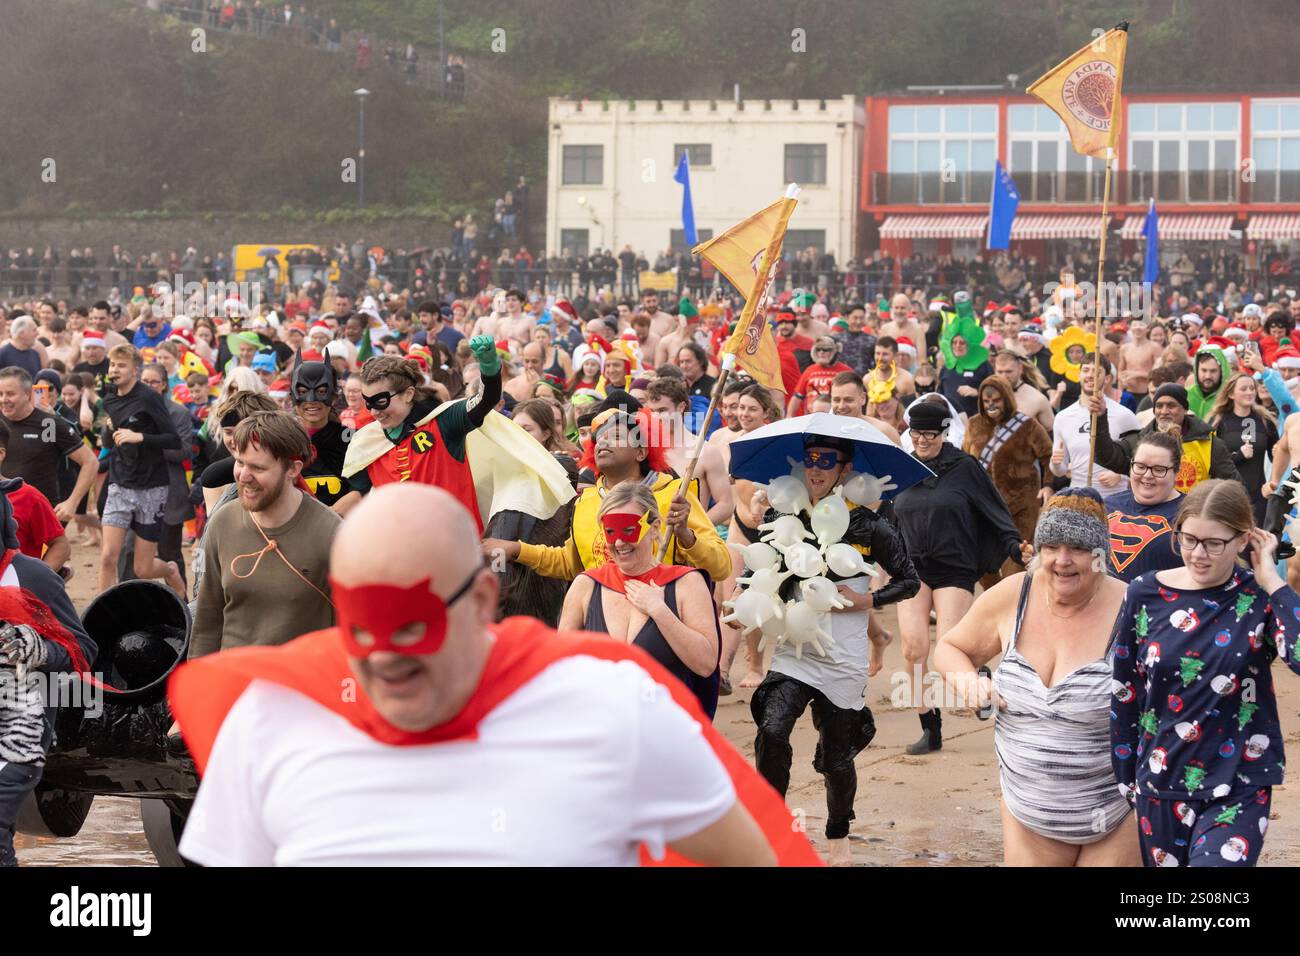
[[1061, 805]]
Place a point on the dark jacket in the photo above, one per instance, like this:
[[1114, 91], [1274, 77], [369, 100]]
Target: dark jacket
[[956, 523], [1116, 455]]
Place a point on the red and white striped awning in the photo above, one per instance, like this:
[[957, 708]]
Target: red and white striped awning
[[1271, 227], [934, 227], [1056, 227], [1187, 227]]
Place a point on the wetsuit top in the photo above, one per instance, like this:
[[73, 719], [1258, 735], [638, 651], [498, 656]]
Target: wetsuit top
[[651, 640], [1194, 714]]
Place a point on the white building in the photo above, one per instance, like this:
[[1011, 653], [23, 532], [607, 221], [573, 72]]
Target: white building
[[611, 164]]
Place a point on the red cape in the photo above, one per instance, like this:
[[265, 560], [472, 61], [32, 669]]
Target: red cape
[[202, 692], [610, 576]]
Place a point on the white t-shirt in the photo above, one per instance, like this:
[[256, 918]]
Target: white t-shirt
[[577, 768], [1074, 427]]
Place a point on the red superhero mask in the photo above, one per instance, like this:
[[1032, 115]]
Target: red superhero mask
[[382, 611], [622, 526]]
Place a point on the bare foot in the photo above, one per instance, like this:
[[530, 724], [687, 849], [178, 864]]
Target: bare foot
[[878, 645], [839, 853], [751, 679], [174, 580]]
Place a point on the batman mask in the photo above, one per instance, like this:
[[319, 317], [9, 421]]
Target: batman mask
[[313, 382]]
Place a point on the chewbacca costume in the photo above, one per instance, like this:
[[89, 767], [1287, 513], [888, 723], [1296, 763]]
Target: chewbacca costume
[[1015, 452]]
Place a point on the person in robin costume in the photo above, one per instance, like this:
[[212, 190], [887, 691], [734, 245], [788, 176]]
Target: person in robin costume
[[624, 446], [312, 390], [413, 438]]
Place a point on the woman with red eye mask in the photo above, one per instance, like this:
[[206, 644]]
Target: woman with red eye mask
[[666, 610]]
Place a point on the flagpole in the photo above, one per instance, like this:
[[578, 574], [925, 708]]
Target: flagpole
[[1098, 383], [1116, 109], [728, 360]]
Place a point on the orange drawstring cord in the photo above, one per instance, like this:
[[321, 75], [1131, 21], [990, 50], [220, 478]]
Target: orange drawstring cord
[[257, 556]]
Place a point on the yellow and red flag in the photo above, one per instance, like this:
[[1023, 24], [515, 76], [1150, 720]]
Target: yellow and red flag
[[747, 254], [1085, 92]]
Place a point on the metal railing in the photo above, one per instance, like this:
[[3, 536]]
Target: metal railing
[[1083, 187]]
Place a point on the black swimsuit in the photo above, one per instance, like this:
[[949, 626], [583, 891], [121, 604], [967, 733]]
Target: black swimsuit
[[651, 640]]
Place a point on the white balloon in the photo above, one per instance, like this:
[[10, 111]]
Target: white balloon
[[821, 595], [785, 531], [866, 490], [846, 561], [803, 629], [751, 609], [773, 632], [804, 560], [788, 495], [830, 519], [759, 556], [767, 581]]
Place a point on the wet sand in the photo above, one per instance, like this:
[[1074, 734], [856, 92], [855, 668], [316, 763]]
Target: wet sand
[[937, 810]]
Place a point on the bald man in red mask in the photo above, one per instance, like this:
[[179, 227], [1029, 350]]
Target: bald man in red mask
[[418, 732]]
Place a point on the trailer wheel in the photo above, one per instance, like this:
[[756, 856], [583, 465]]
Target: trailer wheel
[[53, 812], [164, 822]]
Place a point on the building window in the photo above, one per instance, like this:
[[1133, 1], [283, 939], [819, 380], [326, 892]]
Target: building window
[[584, 165], [1183, 152], [1042, 162], [575, 240], [941, 153], [805, 163], [1275, 127], [677, 238], [797, 240], [701, 154]]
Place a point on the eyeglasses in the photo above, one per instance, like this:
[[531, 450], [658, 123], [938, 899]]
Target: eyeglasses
[[1155, 471], [1213, 546], [378, 402], [822, 460], [927, 435]]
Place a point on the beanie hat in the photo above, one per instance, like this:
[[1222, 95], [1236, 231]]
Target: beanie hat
[[1175, 391], [929, 416], [1075, 517]]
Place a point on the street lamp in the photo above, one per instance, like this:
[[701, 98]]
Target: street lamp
[[361, 95]]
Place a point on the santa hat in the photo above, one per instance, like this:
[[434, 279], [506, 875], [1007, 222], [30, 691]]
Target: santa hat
[[92, 337], [906, 346], [312, 355], [1286, 357], [1236, 331], [322, 329], [182, 336], [279, 388], [990, 307], [1191, 318], [565, 306], [584, 352]]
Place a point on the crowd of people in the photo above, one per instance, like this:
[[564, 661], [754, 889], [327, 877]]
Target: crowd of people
[[259, 443]]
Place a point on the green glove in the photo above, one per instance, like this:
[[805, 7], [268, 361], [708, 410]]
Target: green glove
[[965, 310], [485, 350]]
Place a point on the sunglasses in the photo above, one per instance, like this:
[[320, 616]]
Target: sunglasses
[[380, 401], [823, 460]]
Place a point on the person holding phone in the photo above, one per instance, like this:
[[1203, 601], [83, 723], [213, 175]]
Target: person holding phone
[[1249, 431], [1196, 744]]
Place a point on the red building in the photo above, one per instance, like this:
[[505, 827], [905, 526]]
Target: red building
[[1222, 167]]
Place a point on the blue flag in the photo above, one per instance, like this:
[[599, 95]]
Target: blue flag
[[1151, 230], [1002, 208], [683, 176]]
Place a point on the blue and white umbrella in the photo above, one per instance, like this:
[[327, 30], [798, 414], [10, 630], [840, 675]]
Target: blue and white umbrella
[[764, 453]]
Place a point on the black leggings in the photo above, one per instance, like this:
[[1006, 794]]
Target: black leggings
[[841, 735]]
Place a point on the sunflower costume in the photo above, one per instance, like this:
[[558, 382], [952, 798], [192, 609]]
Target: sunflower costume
[[1060, 347]]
